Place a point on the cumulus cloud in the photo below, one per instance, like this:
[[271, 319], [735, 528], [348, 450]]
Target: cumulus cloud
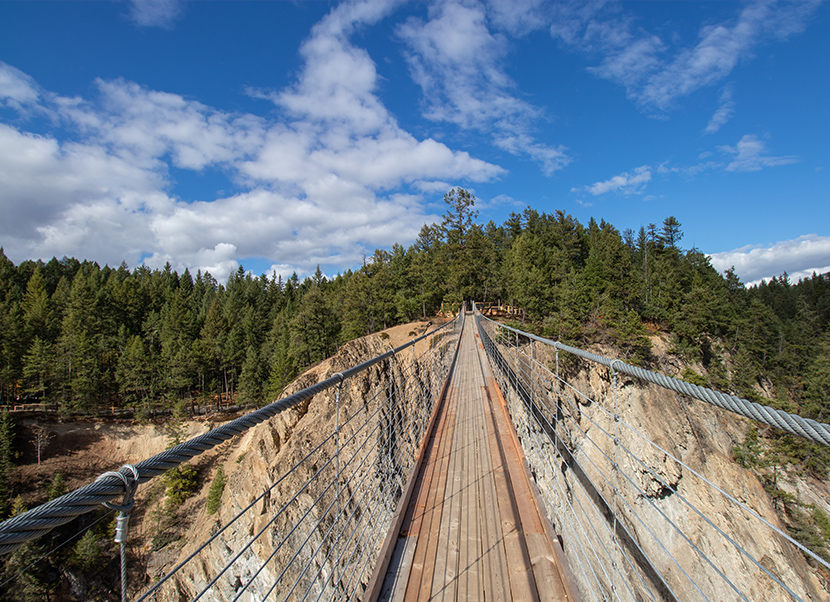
[[50, 191], [799, 258], [750, 154], [519, 18], [633, 182], [459, 64], [331, 176], [17, 89], [551, 159]]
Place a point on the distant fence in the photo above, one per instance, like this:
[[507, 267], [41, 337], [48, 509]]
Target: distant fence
[[500, 310]]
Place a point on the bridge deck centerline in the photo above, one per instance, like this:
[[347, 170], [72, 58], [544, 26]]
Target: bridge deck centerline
[[473, 529]]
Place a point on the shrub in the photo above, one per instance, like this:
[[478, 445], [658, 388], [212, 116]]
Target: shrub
[[215, 494], [87, 552], [181, 484], [58, 487]]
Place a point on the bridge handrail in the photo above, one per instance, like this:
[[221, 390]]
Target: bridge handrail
[[603, 479], [110, 486], [794, 424]]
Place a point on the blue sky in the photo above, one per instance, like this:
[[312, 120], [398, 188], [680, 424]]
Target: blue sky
[[283, 135]]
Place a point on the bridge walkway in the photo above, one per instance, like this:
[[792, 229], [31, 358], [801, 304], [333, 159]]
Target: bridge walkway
[[473, 529]]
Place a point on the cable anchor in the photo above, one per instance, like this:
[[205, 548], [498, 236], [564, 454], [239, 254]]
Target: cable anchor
[[122, 521]]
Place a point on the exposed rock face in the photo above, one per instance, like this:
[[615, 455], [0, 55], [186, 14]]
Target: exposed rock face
[[661, 488], [681, 523], [259, 459]]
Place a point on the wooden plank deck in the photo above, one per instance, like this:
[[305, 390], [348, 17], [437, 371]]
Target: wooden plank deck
[[473, 529]]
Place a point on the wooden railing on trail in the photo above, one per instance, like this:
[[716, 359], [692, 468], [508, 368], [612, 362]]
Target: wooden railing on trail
[[499, 310]]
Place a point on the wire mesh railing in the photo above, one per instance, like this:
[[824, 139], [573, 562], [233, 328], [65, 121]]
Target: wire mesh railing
[[317, 528], [325, 517], [642, 513]]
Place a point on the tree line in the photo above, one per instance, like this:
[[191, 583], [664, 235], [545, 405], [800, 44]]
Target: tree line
[[89, 337]]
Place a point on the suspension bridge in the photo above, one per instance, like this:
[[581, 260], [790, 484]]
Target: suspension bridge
[[480, 462]]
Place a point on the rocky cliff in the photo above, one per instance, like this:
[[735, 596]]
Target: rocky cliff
[[669, 501], [257, 460], [662, 490]]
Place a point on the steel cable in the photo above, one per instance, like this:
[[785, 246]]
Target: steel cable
[[38, 521], [791, 423], [666, 382]]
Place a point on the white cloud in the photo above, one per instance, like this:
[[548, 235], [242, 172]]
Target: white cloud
[[459, 64], [799, 258], [750, 155], [633, 182], [16, 88], [724, 112], [501, 200], [45, 186], [570, 19], [656, 72], [519, 18], [343, 134], [145, 125], [433, 187], [156, 13], [331, 177], [550, 158]]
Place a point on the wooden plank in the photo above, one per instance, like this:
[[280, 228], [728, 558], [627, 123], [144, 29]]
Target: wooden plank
[[446, 557], [394, 586], [518, 562], [542, 559], [541, 549], [473, 519], [496, 581], [385, 567], [423, 564], [469, 574]]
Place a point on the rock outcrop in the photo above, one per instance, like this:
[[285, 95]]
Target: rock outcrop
[[259, 489], [663, 485], [672, 457]]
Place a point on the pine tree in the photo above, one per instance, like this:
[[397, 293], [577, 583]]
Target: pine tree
[[38, 368], [7, 457], [458, 221], [670, 234], [214, 499]]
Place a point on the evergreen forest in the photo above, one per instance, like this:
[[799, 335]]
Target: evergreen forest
[[86, 337]]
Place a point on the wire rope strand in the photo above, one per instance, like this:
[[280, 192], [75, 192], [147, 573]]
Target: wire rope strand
[[39, 520], [791, 423]]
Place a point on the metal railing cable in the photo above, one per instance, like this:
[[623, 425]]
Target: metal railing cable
[[298, 523], [694, 509], [669, 454], [604, 543], [642, 494], [664, 484], [110, 486], [419, 418], [327, 531], [593, 476], [808, 428], [322, 444], [66, 541], [603, 560]]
